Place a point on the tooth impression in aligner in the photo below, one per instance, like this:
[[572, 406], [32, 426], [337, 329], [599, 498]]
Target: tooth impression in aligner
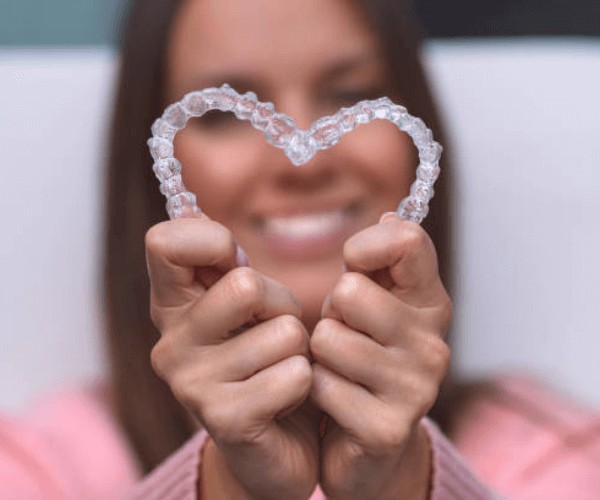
[[299, 145]]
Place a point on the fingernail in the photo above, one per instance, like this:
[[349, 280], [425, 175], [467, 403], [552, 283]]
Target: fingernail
[[241, 258], [387, 215]]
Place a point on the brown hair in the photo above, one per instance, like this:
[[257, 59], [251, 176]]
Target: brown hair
[[153, 421]]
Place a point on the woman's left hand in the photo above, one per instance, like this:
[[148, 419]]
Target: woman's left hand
[[380, 357]]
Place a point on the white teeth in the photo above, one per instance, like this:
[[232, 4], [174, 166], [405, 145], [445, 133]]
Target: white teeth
[[305, 226]]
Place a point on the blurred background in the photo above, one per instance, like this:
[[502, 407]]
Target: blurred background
[[518, 83], [96, 22]]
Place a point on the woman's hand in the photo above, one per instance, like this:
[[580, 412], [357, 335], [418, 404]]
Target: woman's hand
[[235, 354], [380, 358]]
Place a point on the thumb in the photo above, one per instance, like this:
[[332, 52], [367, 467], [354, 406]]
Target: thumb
[[186, 256], [397, 254]]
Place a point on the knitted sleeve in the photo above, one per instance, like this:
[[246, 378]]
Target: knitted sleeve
[[452, 479], [177, 478]]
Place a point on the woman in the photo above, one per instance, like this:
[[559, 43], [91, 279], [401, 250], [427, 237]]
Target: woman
[[293, 225], [342, 312], [251, 391]]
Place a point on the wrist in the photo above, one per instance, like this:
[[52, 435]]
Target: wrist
[[217, 479], [412, 478], [406, 474]]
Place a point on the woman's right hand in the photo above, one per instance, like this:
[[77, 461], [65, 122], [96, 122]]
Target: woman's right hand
[[235, 354]]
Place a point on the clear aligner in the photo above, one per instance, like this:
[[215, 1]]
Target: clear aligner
[[299, 145]]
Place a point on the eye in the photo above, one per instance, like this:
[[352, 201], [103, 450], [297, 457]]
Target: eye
[[215, 121], [347, 96]]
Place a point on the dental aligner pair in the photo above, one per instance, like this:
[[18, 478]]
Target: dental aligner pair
[[299, 145]]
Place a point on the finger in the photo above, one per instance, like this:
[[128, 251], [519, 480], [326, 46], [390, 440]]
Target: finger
[[175, 249], [390, 374], [353, 355], [403, 248], [243, 296], [260, 347], [352, 406], [275, 390], [367, 307]]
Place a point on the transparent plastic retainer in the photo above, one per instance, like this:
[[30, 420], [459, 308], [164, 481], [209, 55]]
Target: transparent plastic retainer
[[299, 145]]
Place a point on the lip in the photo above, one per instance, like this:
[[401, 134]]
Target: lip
[[303, 234]]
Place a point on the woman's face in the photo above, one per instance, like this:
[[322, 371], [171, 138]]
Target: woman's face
[[309, 57]]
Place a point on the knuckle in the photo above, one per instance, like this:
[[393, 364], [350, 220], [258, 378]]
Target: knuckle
[[291, 331], [443, 358], [225, 423], [216, 418], [299, 376], [347, 289], [246, 287], [415, 240], [414, 235], [223, 238], [395, 438], [161, 357], [438, 356], [183, 386], [422, 391], [425, 396], [301, 372], [429, 399], [389, 435], [321, 337], [156, 237], [351, 249]]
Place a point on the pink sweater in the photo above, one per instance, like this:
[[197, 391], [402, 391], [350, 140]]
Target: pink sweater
[[521, 443]]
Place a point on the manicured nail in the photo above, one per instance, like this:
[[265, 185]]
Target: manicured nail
[[241, 257], [387, 215]]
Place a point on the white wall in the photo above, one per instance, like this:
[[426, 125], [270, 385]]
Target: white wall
[[524, 120], [53, 109]]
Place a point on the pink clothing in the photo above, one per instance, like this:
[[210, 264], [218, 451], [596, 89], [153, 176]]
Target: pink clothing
[[522, 442], [530, 444]]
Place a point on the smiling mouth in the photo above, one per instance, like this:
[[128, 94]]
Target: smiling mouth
[[306, 225], [309, 233]]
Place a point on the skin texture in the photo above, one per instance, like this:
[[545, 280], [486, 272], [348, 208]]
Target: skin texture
[[256, 354]]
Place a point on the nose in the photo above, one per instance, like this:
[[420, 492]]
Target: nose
[[316, 174], [298, 106]]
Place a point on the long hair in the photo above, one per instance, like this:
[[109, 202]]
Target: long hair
[[154, 422]]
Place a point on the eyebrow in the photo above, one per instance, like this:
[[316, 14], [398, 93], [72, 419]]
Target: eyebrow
[[348, 64], [243, 82]]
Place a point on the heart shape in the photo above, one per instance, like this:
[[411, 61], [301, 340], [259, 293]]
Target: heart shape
[[299, 145]]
